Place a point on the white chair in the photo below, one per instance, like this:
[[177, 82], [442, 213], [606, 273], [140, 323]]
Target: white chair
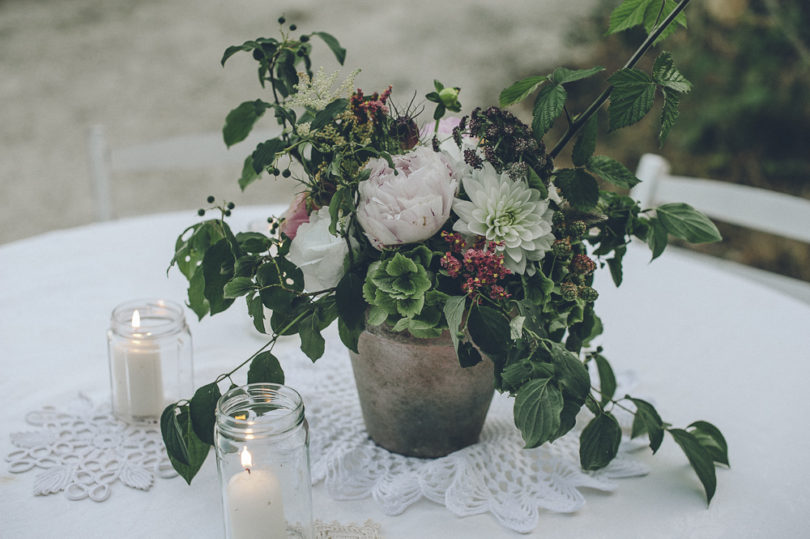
[[189, 152], [759, 209]]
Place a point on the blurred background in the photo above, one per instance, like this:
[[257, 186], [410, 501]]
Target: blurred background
[[149, 70]]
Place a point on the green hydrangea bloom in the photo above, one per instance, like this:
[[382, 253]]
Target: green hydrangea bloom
[[396, 286]]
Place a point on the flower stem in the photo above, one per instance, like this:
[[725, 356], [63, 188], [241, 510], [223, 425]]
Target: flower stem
[[574, 128], [271, 343]]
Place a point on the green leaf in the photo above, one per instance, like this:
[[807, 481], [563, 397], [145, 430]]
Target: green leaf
[[265, 368], [699, 458], [349, 299], [291, 275], [334, 45], [203, 412], [628, 14], [376, 315], [489, 329], [185, 450], [454, 314], [400, 265], [669, 115], [233, 49], [616, 271], [246, 265], [520, 90], [286, 72], [571, 372], [312, 342], [173, 434], [593, 405], [599, 442], [632, 98], [654, 15], [516, 327], [518, 373], [711, 439], [328, 113], [538, 405], [650, 422], [256, 312], [577, 187], [253, 242], [249, 174], [218, 268], [667, 75], [439, 112], [563, 75], [612, 171], [349, 336], [238, 286], [196, 294], [265, 154], [277, 298], [657, 238], [685, 222], [586, 142], [467, 355], [607, 379], [568, 418], [240, 121], [548, 105]]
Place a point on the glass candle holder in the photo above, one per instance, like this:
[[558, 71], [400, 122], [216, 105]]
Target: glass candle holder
[[149, 351], [262, 445]]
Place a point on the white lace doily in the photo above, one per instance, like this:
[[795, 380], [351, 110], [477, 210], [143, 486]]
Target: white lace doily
[[335, 530], [83, 450], [496, 475]]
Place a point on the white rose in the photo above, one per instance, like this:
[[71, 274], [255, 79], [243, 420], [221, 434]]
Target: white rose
[[318, 253], [410, 206]]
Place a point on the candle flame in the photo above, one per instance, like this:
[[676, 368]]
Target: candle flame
[[136, 319], [247, 458]]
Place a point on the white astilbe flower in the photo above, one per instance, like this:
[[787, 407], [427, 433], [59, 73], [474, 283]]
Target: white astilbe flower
[[507, 211], [315, 94]]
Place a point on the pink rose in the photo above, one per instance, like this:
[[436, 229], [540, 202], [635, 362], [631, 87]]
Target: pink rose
[[295, 216]]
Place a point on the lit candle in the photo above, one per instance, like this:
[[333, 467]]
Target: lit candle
[[255, 509], [137, 378]]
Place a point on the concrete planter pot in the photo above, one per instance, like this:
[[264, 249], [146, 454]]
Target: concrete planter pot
[[415, 397]]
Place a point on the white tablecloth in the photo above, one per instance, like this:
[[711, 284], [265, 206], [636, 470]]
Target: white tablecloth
[[705, 344]]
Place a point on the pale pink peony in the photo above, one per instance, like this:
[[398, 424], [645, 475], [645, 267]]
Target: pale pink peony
[[410, 206], [446, 126], [295, 215]]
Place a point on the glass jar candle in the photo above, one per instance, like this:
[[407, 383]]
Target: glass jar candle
[[262, 445], [149, 351]]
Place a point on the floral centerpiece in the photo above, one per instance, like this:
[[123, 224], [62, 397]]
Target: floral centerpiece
[[461, 225]]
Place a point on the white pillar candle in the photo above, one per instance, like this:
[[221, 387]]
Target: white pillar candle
[[255, 508], [137, 376]]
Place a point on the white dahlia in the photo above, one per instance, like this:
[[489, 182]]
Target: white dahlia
[[507, 211]]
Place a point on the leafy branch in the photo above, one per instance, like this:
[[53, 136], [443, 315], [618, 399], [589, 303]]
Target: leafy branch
[[582, 119]]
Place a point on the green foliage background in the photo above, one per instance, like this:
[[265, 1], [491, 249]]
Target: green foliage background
[[747, 119]]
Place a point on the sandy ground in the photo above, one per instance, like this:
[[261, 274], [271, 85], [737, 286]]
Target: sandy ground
[[150, 69]]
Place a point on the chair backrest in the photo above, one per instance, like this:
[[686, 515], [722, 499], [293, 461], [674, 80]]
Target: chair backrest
[[189, 152], [751, 207]]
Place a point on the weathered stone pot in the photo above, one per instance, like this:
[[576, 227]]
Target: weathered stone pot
[[415, 397]]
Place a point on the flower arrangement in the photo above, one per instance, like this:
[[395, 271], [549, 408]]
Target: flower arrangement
[[462, 225]]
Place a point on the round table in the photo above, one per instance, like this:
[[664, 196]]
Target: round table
[[706, 344]]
